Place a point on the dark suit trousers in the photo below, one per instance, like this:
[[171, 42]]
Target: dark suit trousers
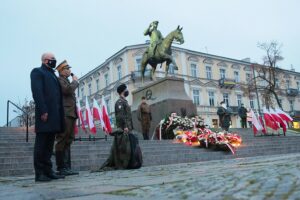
[[43, 149]]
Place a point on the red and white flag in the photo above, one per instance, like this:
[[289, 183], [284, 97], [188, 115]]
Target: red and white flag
[[279, 120], [97, 113], [262, 124], [79, 113], [284, 115], [270, 121], [105, 117], [255, 123], [89, 117]]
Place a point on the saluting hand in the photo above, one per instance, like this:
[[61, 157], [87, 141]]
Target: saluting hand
[[74, 78], [44, 117], [126, 130]]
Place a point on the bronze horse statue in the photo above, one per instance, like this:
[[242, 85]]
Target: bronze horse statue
[[163, 53]]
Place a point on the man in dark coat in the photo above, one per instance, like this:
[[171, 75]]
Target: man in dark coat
[[224, 116], [65, 139], [243, 115], [145, 117], [49, 116]]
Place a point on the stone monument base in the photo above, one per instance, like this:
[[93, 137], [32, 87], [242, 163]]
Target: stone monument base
[[164, 96]]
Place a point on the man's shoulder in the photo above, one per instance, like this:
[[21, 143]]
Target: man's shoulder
[[36, 71]]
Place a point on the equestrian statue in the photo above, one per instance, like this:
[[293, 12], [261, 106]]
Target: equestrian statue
[[159, 50]]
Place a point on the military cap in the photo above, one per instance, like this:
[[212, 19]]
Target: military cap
[[121, 88], [63, 65]]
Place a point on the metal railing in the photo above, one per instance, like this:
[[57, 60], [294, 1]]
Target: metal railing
[[26, 113]]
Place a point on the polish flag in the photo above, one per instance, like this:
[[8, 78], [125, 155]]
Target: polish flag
[[105, 117], [278, 119], [284, 115], [255, 123], [89, 117], [270, 121], [262, 124], [97, 113], [79, 113]]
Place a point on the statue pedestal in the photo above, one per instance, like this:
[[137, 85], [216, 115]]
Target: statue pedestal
[[164, 96]]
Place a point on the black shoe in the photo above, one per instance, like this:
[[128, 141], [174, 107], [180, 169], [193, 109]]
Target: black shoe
[[42, 178], [71, 172], [64, 172], [55, 176]]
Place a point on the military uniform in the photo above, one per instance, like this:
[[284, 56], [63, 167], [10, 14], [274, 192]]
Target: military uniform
[[123, 114], [64, 140], [243, 116], [144, 116], [224, 117]]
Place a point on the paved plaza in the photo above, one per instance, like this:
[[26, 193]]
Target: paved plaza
[[265, 177]]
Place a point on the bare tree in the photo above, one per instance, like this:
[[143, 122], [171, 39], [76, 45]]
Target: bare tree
[[269, 72]]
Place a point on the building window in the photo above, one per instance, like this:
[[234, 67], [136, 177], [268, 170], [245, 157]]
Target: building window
[[239, 100], [171, 69], [298, 85], [107, 101], [90, 89], [97, 84], [196, 97], [251, 102], [226, 98], [208, 73], [119, 72], [248, 77], [280, 101], [106, 79], [276, 83], [194, 70], [236, 76], [222, 73], [287, 84], [138, 63], [291, 105], [211, 96], [82, 92]]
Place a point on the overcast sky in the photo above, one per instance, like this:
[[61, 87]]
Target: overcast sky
[[86, 32]]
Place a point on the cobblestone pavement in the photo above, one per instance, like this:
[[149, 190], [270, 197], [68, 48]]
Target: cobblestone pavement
[[268, 177]]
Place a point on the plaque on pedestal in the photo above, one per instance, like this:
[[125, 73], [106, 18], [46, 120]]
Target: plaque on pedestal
[[164, 96]]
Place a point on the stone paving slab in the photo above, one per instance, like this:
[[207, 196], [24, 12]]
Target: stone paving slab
[[264, 177]]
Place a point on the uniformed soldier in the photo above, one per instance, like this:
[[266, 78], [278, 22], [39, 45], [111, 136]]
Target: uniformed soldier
[[145, 117], [123, 110], [64, 140], [243, 115], [224, 116]]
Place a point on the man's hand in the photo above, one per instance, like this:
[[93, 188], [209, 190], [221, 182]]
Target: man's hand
[[74, 78], [44, 117], [126, 130]]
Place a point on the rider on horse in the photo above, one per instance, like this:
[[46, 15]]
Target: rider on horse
[[155, 38]]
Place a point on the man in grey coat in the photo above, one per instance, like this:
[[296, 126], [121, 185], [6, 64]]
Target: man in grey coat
[[49, 116]]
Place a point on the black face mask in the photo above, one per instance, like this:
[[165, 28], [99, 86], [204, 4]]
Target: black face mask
[[51, 63], [126, 93]]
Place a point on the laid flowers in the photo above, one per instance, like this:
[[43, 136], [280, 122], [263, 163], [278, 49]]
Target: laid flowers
[[192, 132]]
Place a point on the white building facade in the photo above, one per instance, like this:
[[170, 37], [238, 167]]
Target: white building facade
[[208, 80]]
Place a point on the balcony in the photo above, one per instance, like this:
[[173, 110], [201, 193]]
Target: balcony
[[234, 109], [227, 83], [292, 92]]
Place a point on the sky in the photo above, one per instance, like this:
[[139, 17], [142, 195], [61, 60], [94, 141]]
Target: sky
[[87, 32]]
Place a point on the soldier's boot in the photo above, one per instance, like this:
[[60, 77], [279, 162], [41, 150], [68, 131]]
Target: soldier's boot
[[68, 162], [60, 163]]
